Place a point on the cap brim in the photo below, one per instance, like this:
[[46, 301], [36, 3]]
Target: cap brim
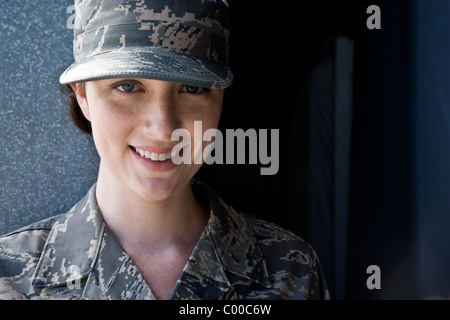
[[150, 63]]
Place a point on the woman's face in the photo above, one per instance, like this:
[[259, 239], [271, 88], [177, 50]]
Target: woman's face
[[130, 117]]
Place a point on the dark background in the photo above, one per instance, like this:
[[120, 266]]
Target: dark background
[[274, 50], [378, 197], [397, 182]]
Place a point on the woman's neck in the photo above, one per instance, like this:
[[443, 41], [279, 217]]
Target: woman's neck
[[140, 224]]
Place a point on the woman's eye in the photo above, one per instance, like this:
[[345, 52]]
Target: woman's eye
[[126, 87], [194, 89]]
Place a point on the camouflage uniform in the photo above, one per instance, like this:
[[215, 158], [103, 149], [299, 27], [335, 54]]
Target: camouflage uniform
[[75, 256]]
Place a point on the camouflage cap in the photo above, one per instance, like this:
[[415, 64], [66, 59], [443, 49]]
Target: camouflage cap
[[183, 41]]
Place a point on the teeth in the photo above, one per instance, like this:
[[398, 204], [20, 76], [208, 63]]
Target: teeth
[[153, 155]]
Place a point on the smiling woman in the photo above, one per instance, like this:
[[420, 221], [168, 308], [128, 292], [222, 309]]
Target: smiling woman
[[147, 229], [126, 115]]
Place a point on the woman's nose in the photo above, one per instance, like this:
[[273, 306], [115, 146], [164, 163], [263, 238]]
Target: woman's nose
[[159, 117]]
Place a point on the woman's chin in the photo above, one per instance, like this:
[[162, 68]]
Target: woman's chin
[[158, 189]]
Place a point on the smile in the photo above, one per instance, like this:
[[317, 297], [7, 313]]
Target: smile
[[153, 155]]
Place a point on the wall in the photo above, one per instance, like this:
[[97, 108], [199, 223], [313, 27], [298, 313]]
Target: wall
[[46, 165]]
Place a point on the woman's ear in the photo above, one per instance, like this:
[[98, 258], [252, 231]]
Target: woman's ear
[[80, 92]]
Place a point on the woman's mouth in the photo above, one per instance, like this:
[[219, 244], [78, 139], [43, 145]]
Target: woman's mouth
[[159, 157]]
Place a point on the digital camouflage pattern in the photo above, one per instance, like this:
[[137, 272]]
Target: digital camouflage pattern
[[75, 256], [171, 40]]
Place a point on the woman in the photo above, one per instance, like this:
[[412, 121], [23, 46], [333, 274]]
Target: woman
[[146, 229]]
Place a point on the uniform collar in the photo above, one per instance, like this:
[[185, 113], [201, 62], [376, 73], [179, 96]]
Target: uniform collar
[[228, 245], [233, 239], [79, 246], [72, 246]]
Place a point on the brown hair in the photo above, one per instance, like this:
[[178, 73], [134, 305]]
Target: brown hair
[[76, 114]]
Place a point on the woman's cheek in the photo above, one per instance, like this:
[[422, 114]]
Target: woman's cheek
[[108, 130]]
